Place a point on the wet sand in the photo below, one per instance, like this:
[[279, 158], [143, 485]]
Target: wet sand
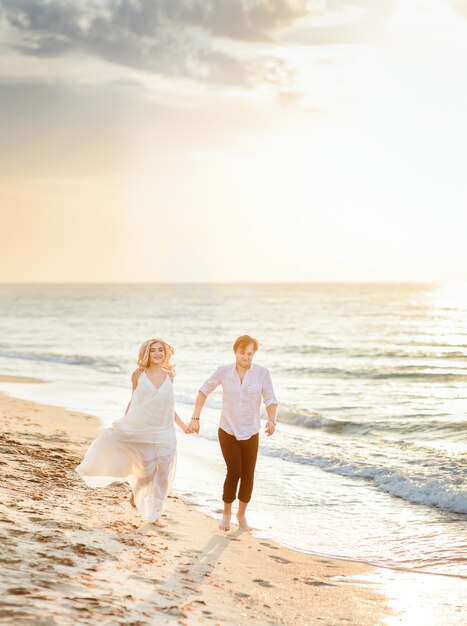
[[72, 555]]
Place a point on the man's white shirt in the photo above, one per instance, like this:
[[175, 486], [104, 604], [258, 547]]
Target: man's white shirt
[[241, 402]]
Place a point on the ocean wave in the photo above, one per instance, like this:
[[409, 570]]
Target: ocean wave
[[315, 420], [432, 427], [455, 355], [311, 349], [66, 359], [405, 351], [429, 428], [442, 492], [410, 372]]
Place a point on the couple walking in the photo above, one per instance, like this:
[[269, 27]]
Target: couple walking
[[140, 448]]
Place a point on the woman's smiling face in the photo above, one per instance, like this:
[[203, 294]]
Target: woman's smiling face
[[156, 353]]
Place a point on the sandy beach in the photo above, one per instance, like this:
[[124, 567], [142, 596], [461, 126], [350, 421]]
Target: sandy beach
[[72, 555]]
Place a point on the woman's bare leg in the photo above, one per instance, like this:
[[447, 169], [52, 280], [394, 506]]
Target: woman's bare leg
[[161, 480]]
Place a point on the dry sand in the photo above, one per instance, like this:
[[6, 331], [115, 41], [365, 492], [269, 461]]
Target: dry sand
[[72, 555]]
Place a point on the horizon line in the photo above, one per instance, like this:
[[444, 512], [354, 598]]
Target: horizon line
[[291, 282]]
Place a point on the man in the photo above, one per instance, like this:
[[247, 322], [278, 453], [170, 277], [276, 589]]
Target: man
[[243, 385]]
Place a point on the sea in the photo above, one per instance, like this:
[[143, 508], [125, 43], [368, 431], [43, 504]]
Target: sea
[[369, 460]]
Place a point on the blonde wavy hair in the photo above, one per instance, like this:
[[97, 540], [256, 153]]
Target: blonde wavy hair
[[143, 356]]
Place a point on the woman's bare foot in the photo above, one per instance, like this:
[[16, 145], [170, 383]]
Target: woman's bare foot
[[159, 523], [132, 501], [225, 523], [242, 523]]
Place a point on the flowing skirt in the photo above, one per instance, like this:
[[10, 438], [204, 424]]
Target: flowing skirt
[[149, 468]]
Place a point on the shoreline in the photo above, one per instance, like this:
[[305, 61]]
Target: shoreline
[[13, 378], [8, 378], [92, 559]]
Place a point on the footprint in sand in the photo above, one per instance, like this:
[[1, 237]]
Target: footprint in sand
[[16, 532], [61, 561], [172, 610], [129, 541], [279, 559], [83, 550], [268, 545], [7, 561], [263, 583], [19, 591], [47, 538], [315, 583]]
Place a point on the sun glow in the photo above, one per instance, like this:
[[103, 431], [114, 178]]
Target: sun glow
[[347, 155]]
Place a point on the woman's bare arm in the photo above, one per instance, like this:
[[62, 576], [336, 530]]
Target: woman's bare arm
[[180, 422], [134, 383]]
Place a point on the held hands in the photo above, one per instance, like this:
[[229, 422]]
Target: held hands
[[270, 428], [193, 427]]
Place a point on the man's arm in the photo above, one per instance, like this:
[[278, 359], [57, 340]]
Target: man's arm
[[199, 404], [270, 402], [271, 410], [206, 388]]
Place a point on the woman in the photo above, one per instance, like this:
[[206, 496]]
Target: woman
[[140, 447], [243, 385]]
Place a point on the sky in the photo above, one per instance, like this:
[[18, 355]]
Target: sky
[[233, 140]]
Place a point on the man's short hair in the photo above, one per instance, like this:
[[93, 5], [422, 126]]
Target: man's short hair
[[244, 341]]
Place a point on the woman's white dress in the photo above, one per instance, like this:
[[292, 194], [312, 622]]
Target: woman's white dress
[[140, 449]]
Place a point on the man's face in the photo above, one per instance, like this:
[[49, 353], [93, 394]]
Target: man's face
[[244, 355]]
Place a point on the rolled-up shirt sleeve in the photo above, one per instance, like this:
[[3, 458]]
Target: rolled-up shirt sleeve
[[269, 397], [211, 383]]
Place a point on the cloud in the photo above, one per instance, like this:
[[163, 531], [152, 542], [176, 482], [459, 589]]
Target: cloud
[[170, 37], [252, 21]]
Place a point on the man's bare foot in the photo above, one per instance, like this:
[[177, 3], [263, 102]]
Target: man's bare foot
[[242, 523], [132, 501], [159, 523], [225, 523]]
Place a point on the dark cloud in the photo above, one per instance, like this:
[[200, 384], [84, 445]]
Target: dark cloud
[[43, 17], [173, 37], [247, 21]]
